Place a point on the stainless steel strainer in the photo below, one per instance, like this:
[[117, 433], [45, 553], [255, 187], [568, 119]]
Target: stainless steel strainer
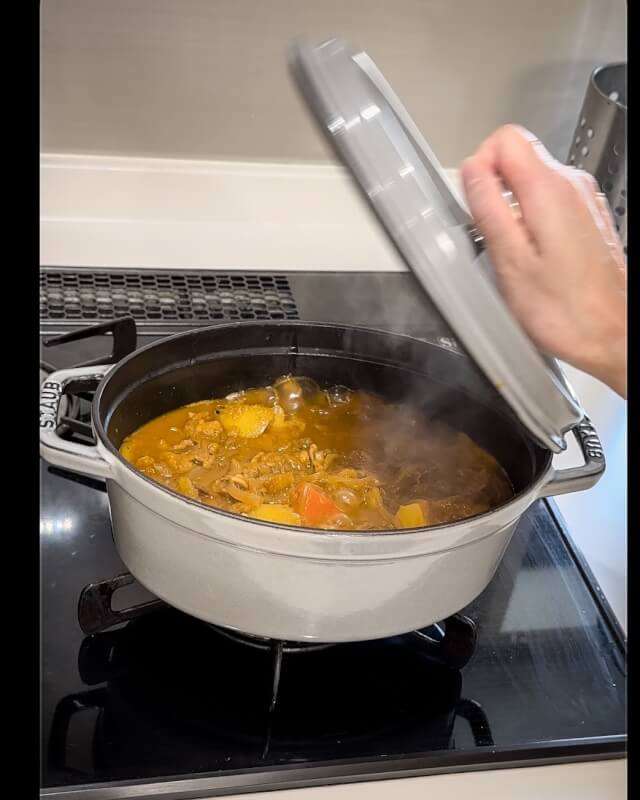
[[599, 143]]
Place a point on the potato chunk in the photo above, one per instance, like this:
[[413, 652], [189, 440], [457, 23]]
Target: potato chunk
[[272, 512], [411, 516], [249, 422]]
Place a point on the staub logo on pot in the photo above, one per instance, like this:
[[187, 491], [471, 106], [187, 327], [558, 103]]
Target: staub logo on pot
[[49, 401], [590, 440]]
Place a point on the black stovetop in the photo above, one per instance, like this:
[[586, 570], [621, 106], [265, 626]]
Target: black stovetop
[[166, 704]]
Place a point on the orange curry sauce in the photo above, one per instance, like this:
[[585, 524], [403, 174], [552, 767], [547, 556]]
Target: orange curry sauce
[[335, 459]]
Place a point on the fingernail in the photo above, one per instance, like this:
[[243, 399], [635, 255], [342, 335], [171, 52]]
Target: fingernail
[[525, 133]]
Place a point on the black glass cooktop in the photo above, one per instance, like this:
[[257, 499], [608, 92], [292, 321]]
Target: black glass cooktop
[[165, 704]]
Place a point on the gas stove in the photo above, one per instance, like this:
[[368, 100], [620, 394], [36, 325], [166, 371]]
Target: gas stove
[[139, 699]]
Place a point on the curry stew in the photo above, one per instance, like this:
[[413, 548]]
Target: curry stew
[[334, 459]]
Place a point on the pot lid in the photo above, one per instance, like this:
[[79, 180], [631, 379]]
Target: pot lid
[[417, 205]]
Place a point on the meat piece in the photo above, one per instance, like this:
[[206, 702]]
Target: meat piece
[[200, 424], [202, 477], [279, 483], [178, 463], [183, 446]]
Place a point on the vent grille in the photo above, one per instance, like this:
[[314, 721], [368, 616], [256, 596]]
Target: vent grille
[[183, 297]]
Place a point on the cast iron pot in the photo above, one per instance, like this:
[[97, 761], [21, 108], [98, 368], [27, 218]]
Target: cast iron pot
[[292, 583]]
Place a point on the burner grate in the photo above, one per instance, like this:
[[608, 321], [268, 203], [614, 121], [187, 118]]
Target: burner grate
[[451, 642], [185, 297], [263, 643]]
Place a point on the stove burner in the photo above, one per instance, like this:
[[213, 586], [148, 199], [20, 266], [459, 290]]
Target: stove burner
[[278, 650], [450, 642], [168, 682], [264, 643]]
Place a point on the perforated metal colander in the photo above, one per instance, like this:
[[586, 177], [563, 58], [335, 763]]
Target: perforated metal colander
[[599, 143]]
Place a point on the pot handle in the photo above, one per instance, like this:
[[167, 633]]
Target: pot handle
[[577, 479], [73, 456]]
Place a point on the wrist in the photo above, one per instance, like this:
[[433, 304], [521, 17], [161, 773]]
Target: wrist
[[616, 379], [608, 362]]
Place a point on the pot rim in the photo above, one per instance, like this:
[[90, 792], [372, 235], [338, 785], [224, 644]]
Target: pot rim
[[301, 532]]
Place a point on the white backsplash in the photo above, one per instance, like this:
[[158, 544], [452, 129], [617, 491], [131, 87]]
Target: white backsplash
[[207, 79]]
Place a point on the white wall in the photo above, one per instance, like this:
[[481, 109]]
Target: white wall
[[207, 78]]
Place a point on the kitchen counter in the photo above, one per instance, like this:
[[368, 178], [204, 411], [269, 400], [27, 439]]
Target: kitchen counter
[[601, 780], [149, 213]]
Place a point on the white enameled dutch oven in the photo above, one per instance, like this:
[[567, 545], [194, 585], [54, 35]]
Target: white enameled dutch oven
[[292, 583], [298, 584]]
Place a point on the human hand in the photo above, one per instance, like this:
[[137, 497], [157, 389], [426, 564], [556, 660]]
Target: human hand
[[561, 266]]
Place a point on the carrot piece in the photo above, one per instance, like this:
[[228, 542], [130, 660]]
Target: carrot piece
[[313, 505]]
